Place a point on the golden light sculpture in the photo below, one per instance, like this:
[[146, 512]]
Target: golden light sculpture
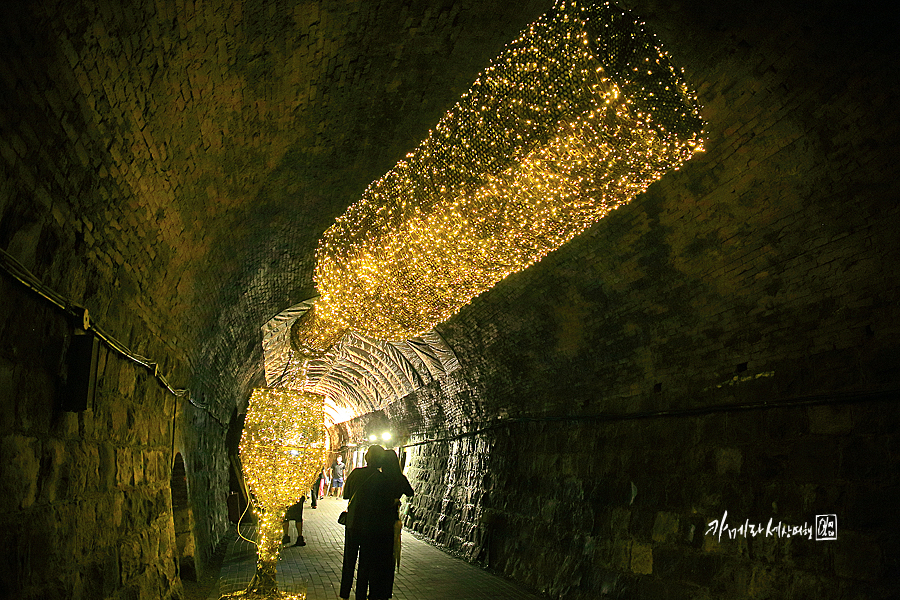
[[282, 450], [574, 119]]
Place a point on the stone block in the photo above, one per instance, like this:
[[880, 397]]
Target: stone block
[[732, 580], [642, 558], [20, 457], [809, 585], [34, 401], [117, 510], [652, 587], [620, 555], [106, 468], [678, 563], [830, 419], [52, 459], [728, 461], [814, 460], [90, 466], [765, 581], [666, 527], [8, 392], [137, 465], [786, 423], [125, 385], [86, 423], [867, 457], [124, 467], [131, 559], [118, 419]]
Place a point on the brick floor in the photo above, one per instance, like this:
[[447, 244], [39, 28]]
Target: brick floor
[[425, 571]]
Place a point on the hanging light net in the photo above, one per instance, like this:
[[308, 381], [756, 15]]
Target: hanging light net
[[574, 119], [282, 450]]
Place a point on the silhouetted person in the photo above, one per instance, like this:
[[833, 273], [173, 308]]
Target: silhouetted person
[[386, 551], [337, 476], [316, 491], [371, 517], [356, 522], [294, 513]]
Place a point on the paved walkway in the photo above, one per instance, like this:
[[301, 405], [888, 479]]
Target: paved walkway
[[426, 573]]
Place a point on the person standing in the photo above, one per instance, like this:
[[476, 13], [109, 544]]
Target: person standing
[[374, 492], [326, 482], [385, 549], [337, 476], [358, 523], [294, 513], [314, 492]]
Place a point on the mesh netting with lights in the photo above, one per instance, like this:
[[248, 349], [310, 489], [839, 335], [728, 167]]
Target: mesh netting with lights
[[574, 119], [282, 451]]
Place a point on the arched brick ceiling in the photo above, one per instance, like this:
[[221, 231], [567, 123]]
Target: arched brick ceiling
[[359, 374], [223, 137], [206, 145]]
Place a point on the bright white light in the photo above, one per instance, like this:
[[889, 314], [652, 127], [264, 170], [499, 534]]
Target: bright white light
[[373, 438], [386, 435]]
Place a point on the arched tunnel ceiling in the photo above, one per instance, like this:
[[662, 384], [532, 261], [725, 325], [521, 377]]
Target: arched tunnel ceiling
[[212, 143], [359, 374], [299, 106], [230, 134]]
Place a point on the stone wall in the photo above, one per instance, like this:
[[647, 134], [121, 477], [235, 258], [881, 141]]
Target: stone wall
[[585, 508], [85, 500], [608, 406]]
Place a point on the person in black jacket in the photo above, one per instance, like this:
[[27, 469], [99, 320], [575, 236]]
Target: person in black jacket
[[314, 491], [374, 492], [356, 524], [385, 551], [294, 513]]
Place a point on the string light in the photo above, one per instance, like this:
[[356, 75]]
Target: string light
[[282, 450], [574, 119]]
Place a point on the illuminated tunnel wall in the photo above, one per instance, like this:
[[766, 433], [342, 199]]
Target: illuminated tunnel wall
[[171, 167]]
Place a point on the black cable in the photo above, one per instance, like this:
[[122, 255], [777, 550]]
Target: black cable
[[21, 274]]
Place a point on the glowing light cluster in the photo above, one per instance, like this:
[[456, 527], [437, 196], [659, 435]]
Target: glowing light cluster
[[282, 450], [574, 119]]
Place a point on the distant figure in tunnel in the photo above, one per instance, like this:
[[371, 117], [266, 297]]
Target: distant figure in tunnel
[[374, 492], [326, 482], [337, 476], [316, 491], [294, 513]]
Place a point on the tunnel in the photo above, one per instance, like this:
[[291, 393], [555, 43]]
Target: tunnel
[[693, 397]]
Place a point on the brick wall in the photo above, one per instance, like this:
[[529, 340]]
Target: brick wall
[[170, 165], [764, 271]]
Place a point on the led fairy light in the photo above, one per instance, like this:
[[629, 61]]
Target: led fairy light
[[574, 119], [282, 450]]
